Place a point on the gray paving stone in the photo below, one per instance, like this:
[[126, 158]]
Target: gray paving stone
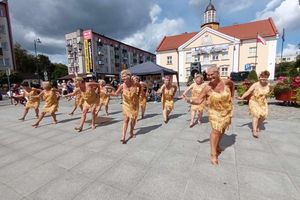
[[259, 159], [36, 147], [4, 151], [17, 168], [96, 145], [52, 152], [12, 139], [7, 193], [124, 176], [216, 190], [95, 165], [10, 157], [266, 183], [162, 184], [292, 165], [98, 190], [72, 158], [141, 157], [36, 178], [63, 188]]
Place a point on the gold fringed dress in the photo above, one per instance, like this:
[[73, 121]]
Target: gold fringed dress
[[79, 99], [131, 102], [143, 98], [90, 98], [258, 105], [51, 102], [33, 100], [220, 109], [104, 98], [195, 94], [168, 99]]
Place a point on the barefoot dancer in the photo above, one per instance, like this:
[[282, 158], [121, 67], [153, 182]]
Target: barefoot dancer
[[167, 90], [51, 96], [78, 95], [143, 95], [196, 90], [258, 104], [131, 93], [91, 101], [219, 94], [104, 96], [33, 101]]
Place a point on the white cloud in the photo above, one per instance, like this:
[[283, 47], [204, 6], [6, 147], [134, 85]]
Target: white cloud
[[285, 14], [58, 58], [149, 37], [154, 12], [291, 49]]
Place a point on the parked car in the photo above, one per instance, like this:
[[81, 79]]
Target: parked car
[[239, 76]]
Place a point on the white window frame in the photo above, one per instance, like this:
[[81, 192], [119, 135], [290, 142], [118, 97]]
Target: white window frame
[[224, 70], [225, 55], [169, 60], [215, 57], [207, 58], [252, 51]]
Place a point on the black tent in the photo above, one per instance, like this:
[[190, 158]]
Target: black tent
[[150, 68]]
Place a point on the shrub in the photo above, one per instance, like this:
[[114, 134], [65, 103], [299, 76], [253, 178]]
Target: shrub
[[252, 77]]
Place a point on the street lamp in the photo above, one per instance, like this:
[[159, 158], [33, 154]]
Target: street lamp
[[37, 41]]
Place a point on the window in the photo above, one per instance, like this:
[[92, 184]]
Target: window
[[206, 58], [2, 29], [4, 46], [224, 70], [7, 62], [1, 13], [252, 51], [169, 60], [188, 57], [215, 56]]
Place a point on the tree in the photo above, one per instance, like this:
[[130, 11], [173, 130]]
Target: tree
[[59, 71], [252, 76]]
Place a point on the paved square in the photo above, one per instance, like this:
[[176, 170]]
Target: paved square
[[164, 162]]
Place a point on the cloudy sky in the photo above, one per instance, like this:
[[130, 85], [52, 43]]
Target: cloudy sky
[[142, 23]]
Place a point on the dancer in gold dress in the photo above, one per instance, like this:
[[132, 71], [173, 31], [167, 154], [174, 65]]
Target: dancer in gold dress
[[131, 93], [196, 89], [91, 101], [167, 91], [51, 97], [78, 95], [104, 96], [219, 94], [33, 102], [258, 104], [143, 95]]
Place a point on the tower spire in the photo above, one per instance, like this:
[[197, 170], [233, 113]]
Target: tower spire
[[210, 17]]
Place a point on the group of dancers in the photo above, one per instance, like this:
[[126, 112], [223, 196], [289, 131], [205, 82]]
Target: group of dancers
[[215, 96]]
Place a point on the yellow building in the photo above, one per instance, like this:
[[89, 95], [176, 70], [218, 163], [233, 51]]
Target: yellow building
[[232, 48]]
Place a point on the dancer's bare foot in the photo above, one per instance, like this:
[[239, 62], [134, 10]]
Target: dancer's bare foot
[[55, 122], [35, 125], [93, 127], [191, 124], [22, 119], [254, 134], [199, 122], [132, 135], [214, 159], [78, 129], [219, 150], [71, 113], [123, 141]]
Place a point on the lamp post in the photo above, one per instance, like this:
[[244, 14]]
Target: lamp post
[[37, 41]]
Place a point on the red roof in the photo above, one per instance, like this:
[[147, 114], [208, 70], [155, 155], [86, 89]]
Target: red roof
[[265, 28], [175, 41]]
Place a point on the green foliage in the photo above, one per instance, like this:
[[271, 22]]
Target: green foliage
[[252, 77], [281, 88], [298, 96], [241, 89], [59, 70]]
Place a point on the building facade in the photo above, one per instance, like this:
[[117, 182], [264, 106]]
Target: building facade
[[287, 58], [95, 54], [7, 60], [232, 48]]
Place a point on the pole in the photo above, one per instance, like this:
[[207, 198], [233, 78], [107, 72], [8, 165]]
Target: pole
[[256, 52], [282, 42]]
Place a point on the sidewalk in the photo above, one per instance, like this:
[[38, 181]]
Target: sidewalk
[[164, 162]]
